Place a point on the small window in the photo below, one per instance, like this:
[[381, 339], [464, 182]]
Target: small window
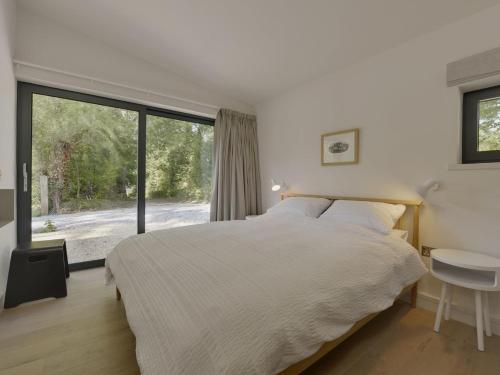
[[481, 126]]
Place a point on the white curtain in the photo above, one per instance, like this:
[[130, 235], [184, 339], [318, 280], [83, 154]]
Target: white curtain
[[236, 188]]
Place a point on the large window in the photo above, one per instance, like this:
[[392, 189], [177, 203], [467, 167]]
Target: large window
[[84, 175], [94, 170], [178, 172], [481, 126]]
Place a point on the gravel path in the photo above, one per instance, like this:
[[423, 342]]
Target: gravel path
[[93, 234]]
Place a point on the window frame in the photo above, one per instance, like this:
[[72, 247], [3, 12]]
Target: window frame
[[25, 93], [470, 113]]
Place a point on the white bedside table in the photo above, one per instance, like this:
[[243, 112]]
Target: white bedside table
[[469, 270]]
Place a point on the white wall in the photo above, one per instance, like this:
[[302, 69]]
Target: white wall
[[409, 122], [52, 54], [7, 131]]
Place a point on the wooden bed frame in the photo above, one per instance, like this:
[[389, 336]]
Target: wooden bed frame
[[413, 209]]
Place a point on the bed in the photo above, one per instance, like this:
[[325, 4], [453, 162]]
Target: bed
[[264, 296]]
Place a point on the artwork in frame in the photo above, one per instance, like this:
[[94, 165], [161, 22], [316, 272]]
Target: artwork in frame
[[340, 147]]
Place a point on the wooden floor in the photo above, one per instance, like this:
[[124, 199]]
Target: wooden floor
[[87, 333]]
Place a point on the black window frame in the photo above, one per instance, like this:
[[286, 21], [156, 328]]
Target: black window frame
[[25, 91], [470, 114]]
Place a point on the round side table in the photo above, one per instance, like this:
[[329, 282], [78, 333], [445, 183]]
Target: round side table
[[475, 271]]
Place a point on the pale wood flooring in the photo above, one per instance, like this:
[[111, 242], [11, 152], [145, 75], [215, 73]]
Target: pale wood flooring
[[87, 333]]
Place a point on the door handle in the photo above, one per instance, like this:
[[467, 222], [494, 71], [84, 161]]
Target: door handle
[[25, 178]]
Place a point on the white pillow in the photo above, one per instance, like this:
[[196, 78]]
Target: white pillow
[[399, 233], [374, 215], [312, 207]]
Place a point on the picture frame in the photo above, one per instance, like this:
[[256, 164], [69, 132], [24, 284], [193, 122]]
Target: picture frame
[[340, 148]]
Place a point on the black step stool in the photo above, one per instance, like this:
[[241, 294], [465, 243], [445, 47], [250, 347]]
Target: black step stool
[[38, 269]]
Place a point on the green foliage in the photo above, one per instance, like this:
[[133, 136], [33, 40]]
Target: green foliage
[[49, 226], [489, 125], [178, 159], [86, 150], [76, 205], [89, 153]]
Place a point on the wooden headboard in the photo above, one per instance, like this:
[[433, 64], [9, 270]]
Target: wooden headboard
[[412, 207]]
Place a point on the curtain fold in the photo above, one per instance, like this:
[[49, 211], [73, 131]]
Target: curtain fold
[[236, 188]]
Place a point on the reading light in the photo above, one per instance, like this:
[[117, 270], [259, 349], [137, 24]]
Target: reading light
[[429, 185], [275, 186]]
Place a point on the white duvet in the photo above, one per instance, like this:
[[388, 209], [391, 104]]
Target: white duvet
[[255, 296]]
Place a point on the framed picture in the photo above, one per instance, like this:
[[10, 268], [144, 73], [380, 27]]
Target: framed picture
[[340, 147]]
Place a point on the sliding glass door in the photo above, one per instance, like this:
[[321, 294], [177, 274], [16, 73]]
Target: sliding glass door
[[94, 170], [178, 172], [84, 175]]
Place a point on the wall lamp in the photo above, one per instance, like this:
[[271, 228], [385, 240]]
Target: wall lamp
[[277, 186], [427, 186]]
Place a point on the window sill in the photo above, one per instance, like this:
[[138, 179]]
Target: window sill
[[473, 166]]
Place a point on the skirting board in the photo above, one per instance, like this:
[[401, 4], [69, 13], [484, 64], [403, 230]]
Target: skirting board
[[458, 313]]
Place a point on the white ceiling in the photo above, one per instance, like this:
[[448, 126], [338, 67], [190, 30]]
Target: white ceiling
[[254, 49]]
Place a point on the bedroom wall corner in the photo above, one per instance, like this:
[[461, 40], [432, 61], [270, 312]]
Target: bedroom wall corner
[[7, 131]]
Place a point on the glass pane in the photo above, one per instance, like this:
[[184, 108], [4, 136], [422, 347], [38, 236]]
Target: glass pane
[[178, 172], [489, 125], [84, 160]]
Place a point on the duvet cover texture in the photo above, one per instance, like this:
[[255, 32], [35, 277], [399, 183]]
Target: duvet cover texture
[[255, 296]]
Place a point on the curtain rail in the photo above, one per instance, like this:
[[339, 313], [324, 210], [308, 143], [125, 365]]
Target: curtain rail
[[93, 80]]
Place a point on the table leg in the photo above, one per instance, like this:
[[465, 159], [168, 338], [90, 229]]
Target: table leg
[[486, 312], [479, 320], [448, 303], [439, 312]]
